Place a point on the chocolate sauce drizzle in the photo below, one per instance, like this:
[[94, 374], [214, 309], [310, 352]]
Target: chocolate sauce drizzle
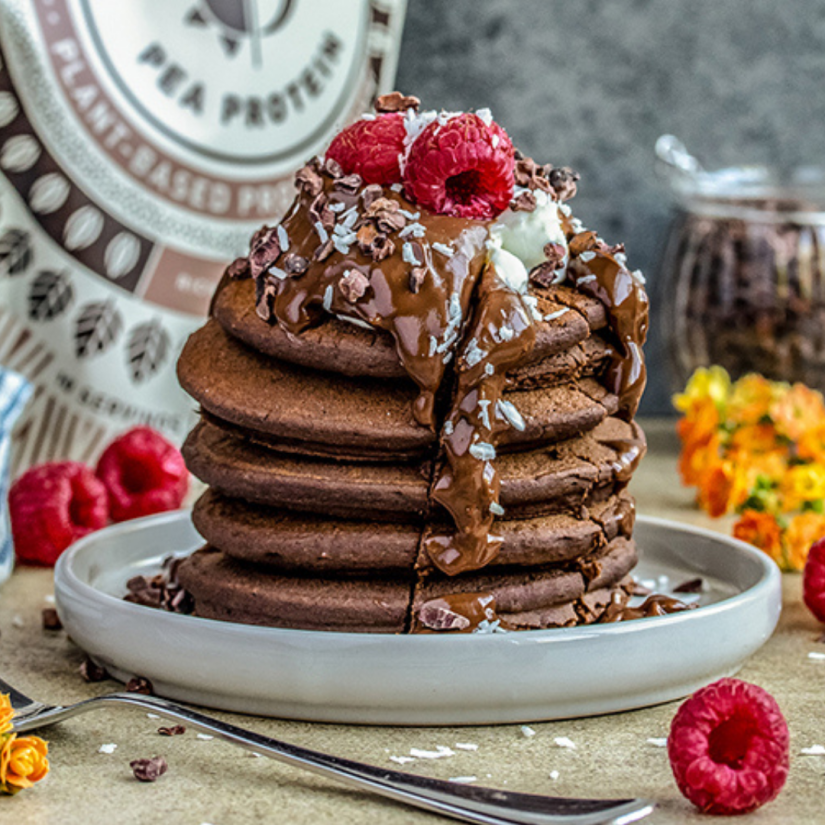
[[369, 256]]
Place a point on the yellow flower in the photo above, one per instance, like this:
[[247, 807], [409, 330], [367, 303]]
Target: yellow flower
[[6, 713], [804, 529], [751, 399], [705, 384], [797, 410], [761, 530], [22, 762], [804, 483]]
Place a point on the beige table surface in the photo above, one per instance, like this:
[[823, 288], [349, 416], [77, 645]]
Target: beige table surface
[[213, 782]]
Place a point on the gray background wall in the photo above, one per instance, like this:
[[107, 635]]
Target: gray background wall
[[592, 83]]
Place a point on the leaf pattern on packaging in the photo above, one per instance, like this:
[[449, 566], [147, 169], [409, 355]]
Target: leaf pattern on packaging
[[15, 251], [97, 328], [148, 348], [49, 295]]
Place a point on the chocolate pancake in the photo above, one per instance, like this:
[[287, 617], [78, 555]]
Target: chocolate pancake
[[345, 348], [291, 542], [319, 414], [563, 477], [226, 589]]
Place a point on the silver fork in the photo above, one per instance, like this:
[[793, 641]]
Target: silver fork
[[465, 802]]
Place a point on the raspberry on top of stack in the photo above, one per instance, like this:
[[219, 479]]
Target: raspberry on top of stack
[[422, 249]]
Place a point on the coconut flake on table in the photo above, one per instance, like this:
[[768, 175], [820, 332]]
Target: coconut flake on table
[[463, 780], [814, 750], [657, 742], [564, 742], [205, 736], [527, 732], [554, 775], [816, 655], [110, 747], [466, 746], [439, 753], [402, 760]]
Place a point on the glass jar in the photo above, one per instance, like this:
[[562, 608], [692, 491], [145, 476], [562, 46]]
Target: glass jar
[[742, 280]]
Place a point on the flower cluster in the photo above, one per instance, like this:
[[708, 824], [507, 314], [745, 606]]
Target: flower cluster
[[22, 758], [757, 448]]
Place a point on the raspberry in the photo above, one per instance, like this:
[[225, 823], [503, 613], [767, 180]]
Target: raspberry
[[462, 168], [370, 148], [813, 580], [728, 747], [53, 505], [143, 474]]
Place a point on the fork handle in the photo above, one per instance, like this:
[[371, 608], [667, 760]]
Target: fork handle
[[469, 803]]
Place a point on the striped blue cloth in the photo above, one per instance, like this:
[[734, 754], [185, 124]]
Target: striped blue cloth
[[14, 392]]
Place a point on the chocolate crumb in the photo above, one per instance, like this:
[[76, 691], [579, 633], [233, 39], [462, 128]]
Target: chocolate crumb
[[51, 621], [148, 770], [396, 102], [92, 672], [348, 183], [174, 730], [353, 285], [333, 169], [523, 202], [319, 212], [529, 174], [543, 275], [308, 180], [437, 615], [374, 243], [295, 264], [238, 269], [417, 275], [265, 253], [370, 194], [324, 251], [690, 586], [563, 181], [140, 684]]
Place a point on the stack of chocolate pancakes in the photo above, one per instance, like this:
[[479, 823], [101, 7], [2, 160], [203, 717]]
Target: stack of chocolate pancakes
[[396, 437]]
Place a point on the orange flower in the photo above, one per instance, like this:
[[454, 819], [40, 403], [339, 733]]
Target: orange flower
[[22, 762], [761, 530], [6, 713], [697, 460], [811, 444], [797, 410], [723, 488], [750, 400], [803, 530], [754, 438]]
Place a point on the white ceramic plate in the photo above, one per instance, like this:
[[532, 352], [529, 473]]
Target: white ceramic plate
[[421, 680]]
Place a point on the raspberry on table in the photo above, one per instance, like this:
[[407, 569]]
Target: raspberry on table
[[729, 747], [370, 148], [53, 505], [462, 167], [813, 580], [143, 474]]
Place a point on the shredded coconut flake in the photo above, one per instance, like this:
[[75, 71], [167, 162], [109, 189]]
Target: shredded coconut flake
[[466, 746], [397, 187], [554, 775], [463, 780], [283, 238], [443, 248], [17, 621], [322, 233], [410, 216], [448, 428], [153, 716], [402, 760], [507, 410], [564, 742], [496, 509], [657, 742], [527, 731], [489, 369], [814, 655], [280, 274], [440, 752], [483, 451], [585, 279], [486, 116], [551, 316], [814, 750], [111, 747], [205, 736], [327, 303], [49, 597], [337, 207]]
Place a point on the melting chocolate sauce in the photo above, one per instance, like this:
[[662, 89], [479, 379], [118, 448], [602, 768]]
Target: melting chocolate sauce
[[655, 605], [460, 613]]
